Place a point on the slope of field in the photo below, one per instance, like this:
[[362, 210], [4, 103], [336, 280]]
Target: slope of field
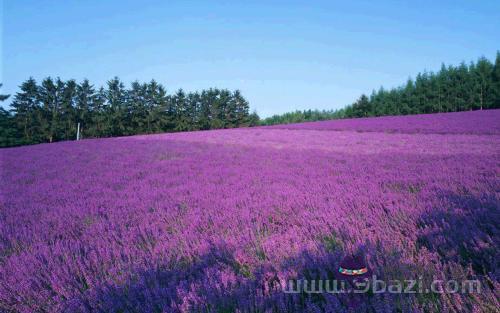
[[474, 122], [220, 220]]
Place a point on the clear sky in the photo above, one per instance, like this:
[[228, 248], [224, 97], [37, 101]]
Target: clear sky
[[283, 55]]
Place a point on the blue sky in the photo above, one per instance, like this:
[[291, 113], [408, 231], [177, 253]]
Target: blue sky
[[283, 55]]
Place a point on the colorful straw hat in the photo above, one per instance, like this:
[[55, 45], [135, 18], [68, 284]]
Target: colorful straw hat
[[353, 268]]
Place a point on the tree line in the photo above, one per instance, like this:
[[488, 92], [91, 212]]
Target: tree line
[[301, 116], [50, 111], [453, 88]]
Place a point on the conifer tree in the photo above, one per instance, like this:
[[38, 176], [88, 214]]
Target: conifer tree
[[85, 107], [68, 116], [179, 103], [496, 83], [117, 117], [484, 76], [8, 129], [99, 116], [24, 107], [242, 109], [205, 112]]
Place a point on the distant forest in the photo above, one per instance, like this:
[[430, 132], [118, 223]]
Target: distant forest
[[454, 88], [50, 111]]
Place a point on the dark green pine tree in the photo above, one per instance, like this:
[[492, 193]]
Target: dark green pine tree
[[378, 102], [450, 89], [216, 108], [171, 113], [361, 107], [420, 92], [444, 83], [152, 101], [373, 103], [442, 88], [99, 117], [242, 109], [160, 119], [85, 107], [475, 87], [483, 75], [8, 130], [25, 107], [408, 99], [394, 98], [463, 96], [136, 108], [117, 117], [205, 111], [193, 110], [9, 135], [60, 112], [68, 118], [46, 94], [49, 110], [432, 93], [230, 118], [495, 79], [179, 103]]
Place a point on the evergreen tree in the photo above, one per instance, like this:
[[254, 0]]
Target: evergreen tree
[[85, 107], [223, 103], [484, 76], [151, 101], [242, 109], [117, 117], [231, 112], [9, 135], [217, 109], [361, 107], [432, 94], [179, 104], [408, 98], [137, 109], [8, 130], [68, 118], [207, 97], [51, 97], [463, 96], [160, 118], [194, 110], [24, 106], [99, 117], [495, 82]]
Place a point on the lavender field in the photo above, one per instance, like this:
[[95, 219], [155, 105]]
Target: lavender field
[[219, 221]]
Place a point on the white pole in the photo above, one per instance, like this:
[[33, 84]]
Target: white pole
[[78, 132]]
